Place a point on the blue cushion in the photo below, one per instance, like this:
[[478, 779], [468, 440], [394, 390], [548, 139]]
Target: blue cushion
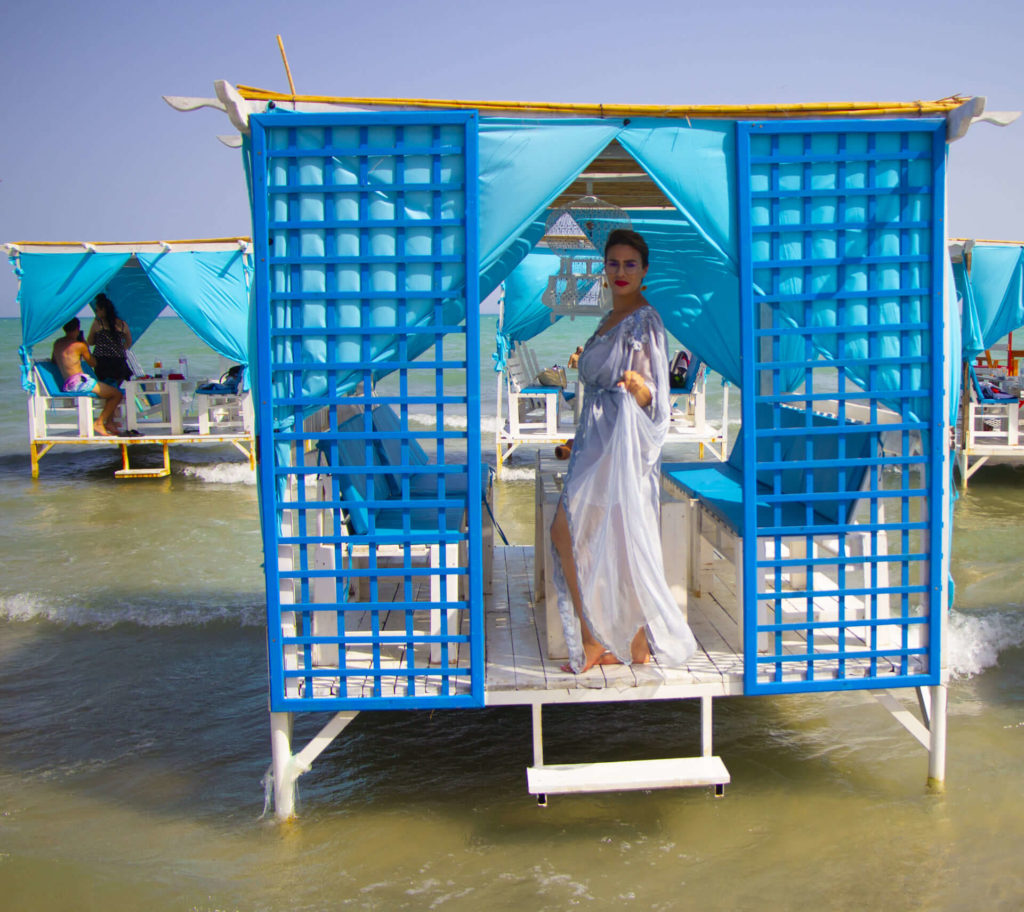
[[719, 486], [53, 379], [716, 484]]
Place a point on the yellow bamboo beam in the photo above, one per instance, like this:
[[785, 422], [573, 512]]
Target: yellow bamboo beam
[[986, 241], [802, 109]]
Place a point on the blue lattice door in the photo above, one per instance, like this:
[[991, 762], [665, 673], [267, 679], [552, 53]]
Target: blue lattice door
[[842, 242], [365, 230]]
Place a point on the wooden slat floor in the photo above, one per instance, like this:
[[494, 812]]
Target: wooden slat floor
[[518, 670]]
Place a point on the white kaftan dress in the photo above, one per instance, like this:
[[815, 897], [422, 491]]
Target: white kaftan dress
[[611, 499]]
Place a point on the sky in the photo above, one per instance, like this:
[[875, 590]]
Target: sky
[[90, 152]]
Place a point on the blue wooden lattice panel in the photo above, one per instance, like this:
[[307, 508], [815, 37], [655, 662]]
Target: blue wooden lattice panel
[[841, 244], [365, 231]]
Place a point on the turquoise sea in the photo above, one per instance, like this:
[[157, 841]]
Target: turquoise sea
[[134, 732]]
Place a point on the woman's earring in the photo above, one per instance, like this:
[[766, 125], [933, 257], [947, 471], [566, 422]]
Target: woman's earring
[[604, 283], [643, 288]]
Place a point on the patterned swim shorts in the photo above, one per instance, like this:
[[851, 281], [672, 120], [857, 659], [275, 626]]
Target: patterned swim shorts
[[79, 383]]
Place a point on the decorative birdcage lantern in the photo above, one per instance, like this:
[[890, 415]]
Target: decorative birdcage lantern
[[577, 233]]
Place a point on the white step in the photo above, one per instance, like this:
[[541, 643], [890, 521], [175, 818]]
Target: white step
[[627, 775], [159, 472]]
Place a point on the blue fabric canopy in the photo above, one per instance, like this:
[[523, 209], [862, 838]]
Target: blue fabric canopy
[[207, 289], [209, 292], [993, 295]]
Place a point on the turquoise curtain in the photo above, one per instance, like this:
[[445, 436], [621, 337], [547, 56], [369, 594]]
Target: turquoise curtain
[[694, 165], [524, 166], [53, 288], [993, 295], [135, 299], [209, 291], [56, 286], [525, 315]]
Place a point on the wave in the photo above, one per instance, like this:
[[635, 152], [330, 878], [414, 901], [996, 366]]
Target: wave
[[142, 612], [488, 423], [222, 473], [518, 473], [974, 641]]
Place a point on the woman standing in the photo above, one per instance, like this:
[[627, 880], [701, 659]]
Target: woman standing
[[109, 339], [613, 599]]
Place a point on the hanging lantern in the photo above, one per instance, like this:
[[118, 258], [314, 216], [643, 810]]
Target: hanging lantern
[[577, 233]]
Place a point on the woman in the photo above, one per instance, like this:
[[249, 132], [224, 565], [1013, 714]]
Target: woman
[[109, 339], [613, 600]]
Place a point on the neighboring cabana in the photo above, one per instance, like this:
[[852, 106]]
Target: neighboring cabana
[[990, 281], [205, 282], [809, 270]]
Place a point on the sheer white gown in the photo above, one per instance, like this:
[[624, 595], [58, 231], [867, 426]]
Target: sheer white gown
[[611, 499]]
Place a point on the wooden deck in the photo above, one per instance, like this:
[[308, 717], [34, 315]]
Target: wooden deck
[[519, 671]]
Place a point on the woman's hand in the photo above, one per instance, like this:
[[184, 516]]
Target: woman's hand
[[634, 384]]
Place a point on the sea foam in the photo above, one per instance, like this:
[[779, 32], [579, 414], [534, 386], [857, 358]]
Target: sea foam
[[975, 640], [222, 473], [488, 423], [141, 611]]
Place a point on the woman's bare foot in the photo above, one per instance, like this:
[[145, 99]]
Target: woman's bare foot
[[595, 654], [640, 649], [100, 428]]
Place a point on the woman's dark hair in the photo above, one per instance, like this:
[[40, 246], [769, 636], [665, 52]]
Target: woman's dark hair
[[104, 308], [630, 239]]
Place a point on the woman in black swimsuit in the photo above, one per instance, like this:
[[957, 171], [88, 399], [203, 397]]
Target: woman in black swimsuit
[[109, 339]]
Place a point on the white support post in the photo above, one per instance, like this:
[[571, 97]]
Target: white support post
[[281, 762], [287, 767], [937, 724], [538, 734], [725, 421], [705, 726], [498, 422]]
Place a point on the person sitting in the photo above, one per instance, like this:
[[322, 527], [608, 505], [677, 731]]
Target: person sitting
[[68, 354], [110, 338]]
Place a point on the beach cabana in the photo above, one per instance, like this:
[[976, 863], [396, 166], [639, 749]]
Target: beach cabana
[[990, 282], [204, 282], [811, 274]]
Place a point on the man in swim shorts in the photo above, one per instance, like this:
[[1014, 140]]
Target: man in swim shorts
[[68, 354]]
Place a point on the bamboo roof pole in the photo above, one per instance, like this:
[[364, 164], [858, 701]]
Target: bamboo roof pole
[[287, 69], [824, 109]]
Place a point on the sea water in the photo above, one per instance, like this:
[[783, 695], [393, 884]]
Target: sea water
[[134, 732]]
